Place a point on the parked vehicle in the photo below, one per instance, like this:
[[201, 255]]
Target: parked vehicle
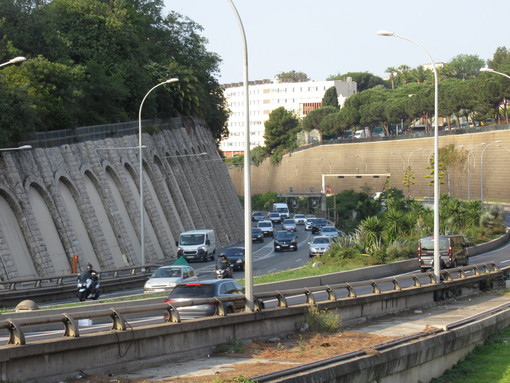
[[197, 245], [319, 245], [257, 216], [299, 219], [330, 231], [274, 217], [206, 289], [166, 278], [289, 224], [266, 227], [88, 286], [452, 252], [285, 240], [257, 235], [282, 209], [236, 257]]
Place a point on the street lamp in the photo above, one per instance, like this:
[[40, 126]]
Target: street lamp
[[437, 265], [14, 61], [248, 274], [140, 155], [481, 168], [23, 147], [493, 71]]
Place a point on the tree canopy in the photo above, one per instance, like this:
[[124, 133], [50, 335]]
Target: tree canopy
[[91, 62]]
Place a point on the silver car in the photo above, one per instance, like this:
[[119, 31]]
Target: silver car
[[289, 224], [330, 231], [166, 278], [319, 245]]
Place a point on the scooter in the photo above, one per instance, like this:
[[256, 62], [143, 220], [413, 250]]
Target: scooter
[[225, 272], [88, 286]]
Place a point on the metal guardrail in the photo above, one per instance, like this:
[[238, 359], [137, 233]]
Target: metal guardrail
[[119, 323], [50, 288]]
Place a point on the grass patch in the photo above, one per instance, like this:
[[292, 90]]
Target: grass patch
[[489, 362]]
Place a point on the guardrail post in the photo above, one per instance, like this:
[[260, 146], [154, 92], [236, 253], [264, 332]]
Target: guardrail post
[[447, 276], [309, 297], [396, 285], [416, 281], [258, 305], [71, 327], [282, 301], [173, 314], [350, 291], [118, 320], [331, 294], [220, 308], [16, 335], [375, 288]]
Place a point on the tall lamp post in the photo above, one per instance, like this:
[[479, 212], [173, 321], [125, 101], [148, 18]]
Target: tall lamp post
[[140, 155], [13, 61], [248, 274], [437, 266], [481, 168], [493, 71]]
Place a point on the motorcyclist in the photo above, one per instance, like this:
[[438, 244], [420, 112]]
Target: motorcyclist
[[92, 275], [223, 263]]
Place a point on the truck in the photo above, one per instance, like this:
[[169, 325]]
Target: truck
[[197, 245], [282, 209]]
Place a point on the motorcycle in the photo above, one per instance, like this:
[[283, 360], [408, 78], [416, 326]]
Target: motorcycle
[[88, 286], [224, 272]]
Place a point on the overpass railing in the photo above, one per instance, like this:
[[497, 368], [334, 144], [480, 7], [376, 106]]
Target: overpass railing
[[335, 292]]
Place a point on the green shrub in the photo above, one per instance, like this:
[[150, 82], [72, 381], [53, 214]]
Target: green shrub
[[402, 249], [321, 321]]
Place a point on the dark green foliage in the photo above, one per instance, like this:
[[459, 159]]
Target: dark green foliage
[[330, 98], [280, 130]]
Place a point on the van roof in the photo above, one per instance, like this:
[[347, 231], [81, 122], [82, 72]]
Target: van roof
[[204, 231]]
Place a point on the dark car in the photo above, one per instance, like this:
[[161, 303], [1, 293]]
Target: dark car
[[257, 216], [206, 289], [452, 252], [318, 224], [236, 257], [285, 240], [257, 235]]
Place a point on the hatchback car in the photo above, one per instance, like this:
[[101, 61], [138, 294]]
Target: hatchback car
[[165, 278], [309, 223], [299, 219], [274, 217], [289, 224], [330, 231], [319, 245], [257, 216], [266, 227], [236, 257], [207, 289], [285, 240], [257, 235]]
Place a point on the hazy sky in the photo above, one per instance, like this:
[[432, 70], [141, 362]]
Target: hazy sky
[[329, 37]]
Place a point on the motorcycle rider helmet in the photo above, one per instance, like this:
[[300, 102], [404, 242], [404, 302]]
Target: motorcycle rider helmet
[[89, 266], [222, 255]]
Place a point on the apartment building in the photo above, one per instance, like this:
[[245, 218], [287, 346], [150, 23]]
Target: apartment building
[[267, 95]]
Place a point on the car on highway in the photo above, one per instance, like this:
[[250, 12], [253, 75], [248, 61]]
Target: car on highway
[[452, 252], [165, 278], [274, 217], [257, 235], [289, 224], [285, 240], [309, 223], [318, 224], [257, 216], [330, 231], [236, 257], [319, 245], [266, 227], [299, 219], [212, 288]]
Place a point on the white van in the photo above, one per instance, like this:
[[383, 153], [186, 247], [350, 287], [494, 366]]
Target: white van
[[197, 245], [282, 209]]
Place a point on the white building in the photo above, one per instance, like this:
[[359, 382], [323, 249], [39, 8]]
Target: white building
[[267, 95]]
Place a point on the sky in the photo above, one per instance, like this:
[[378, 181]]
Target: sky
[[324, 38]]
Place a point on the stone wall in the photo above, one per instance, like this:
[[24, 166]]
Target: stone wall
[[302, 171], [83, 200]]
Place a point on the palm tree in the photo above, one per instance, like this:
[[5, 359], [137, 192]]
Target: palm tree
[[391, 71], [404, 73]]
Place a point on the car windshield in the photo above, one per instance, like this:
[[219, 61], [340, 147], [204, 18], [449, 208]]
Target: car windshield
[[321, 221], [256, 231], [192, 239], [329, 229], [285, 235], [264, 224], [274, 215], [320, 240], [427, 244], [288, 221], [192, 291], [234, 251], [167, 273]]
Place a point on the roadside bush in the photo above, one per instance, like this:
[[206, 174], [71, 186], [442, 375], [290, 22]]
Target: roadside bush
[[402, 249], [321, 321]]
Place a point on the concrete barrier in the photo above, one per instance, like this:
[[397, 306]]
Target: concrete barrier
[[115, 351]]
